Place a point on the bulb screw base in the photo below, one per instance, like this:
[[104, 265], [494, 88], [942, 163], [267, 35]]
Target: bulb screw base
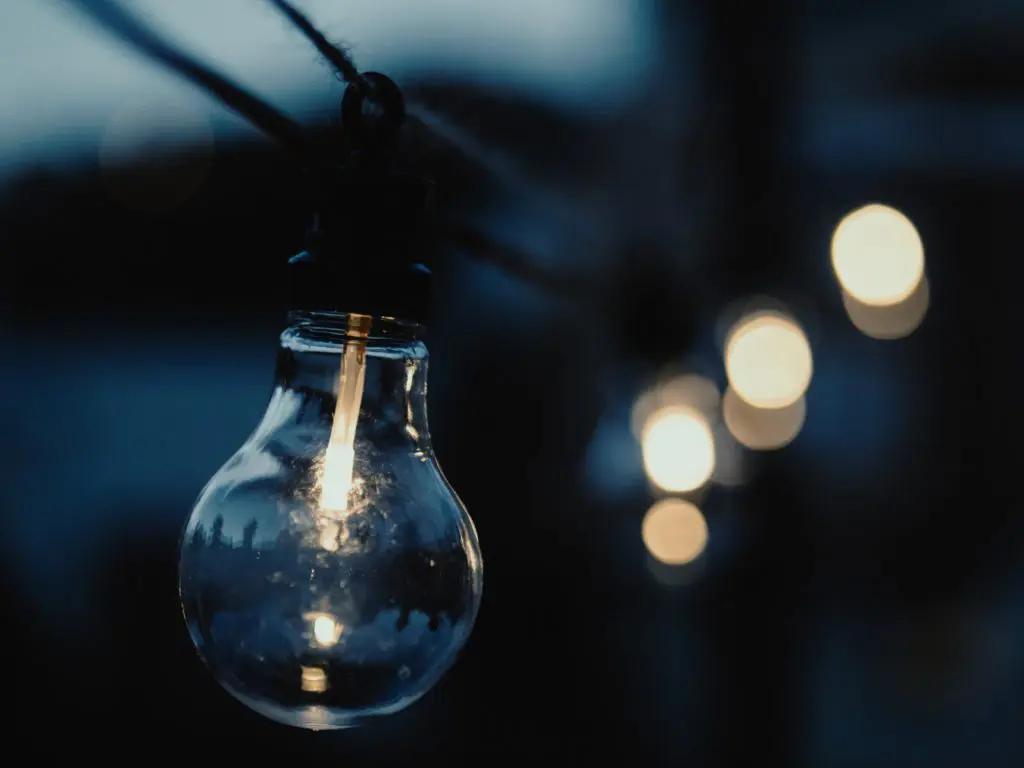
[[368, 248]]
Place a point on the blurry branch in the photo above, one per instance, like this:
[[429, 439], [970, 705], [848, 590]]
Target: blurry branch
[[118, 21]]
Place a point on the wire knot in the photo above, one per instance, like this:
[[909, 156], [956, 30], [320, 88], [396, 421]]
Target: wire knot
[[372, 110]]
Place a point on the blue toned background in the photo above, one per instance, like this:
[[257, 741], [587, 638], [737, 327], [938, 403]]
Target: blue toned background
[[860, 601]]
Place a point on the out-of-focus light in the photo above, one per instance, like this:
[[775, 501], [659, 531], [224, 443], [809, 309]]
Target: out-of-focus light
[[762, 429], [678, 449], [687, 390], [768, 360], [895, 322], [326, 629], [329, 536], [731, 470], [877, 255], [674, 531]]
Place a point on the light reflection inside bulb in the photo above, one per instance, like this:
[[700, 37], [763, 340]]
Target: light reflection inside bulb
[[314, 680], [768, 360], [329, 536], [314, 558], [326, 629]]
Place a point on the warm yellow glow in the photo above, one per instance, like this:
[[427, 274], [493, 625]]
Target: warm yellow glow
[[329, 536], [893, 322], [762, 429], [678, 449], [326, 629], [314, 680], [768, 360], [338, 469], [674, 531], [877, 255], [688, 390]]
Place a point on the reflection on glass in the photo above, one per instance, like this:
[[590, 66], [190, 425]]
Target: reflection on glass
[[892, 322], [328, 571], [762, 429], [688, 390]]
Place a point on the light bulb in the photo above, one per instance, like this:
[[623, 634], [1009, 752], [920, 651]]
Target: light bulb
[[328, 571]]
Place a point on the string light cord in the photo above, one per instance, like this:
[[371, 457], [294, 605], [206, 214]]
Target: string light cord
[[371, 110], [116, 19]]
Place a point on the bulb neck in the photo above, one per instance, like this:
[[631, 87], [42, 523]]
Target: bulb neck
[[317, 345], [317, 327]]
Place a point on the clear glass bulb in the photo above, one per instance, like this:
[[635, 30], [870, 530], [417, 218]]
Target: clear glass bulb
[[328, 571]]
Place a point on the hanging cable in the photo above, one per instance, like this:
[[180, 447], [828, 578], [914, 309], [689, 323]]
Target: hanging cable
[[381, 111], [117, 20]]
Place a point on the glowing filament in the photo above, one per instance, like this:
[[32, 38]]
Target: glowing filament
[[339, 459]]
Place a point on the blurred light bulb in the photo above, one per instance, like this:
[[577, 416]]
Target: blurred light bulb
[[678, 449], [674, 531], [768, 360], [762, 429], [877, 255], [688, 390], [328, 571], [152, 160], [892, 322]]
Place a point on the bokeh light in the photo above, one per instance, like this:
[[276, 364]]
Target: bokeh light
[[326, 629], [768, 360], [762, 429], [731, 470], [688, 390], [674, 531], [894, 322], [877, 255], [678, 449]]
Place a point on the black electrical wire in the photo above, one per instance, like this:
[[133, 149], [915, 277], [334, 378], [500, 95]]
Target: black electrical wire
[[339, 58], [126, 26], [370, 88]]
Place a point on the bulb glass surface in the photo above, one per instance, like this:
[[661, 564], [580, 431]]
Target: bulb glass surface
[[329, 573]]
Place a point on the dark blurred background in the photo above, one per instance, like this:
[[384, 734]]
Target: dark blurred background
[[860, 601]]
